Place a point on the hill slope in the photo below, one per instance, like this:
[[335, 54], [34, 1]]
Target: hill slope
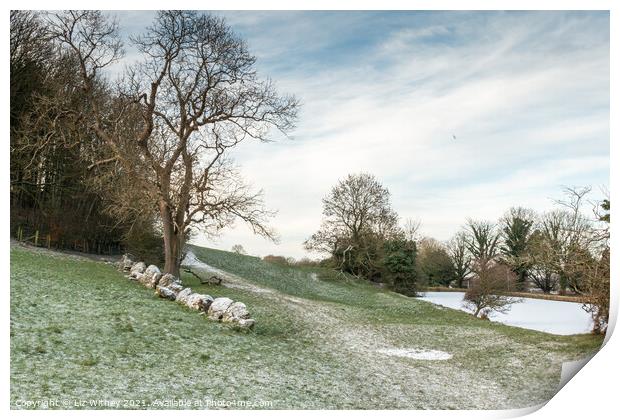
[[80, 330]]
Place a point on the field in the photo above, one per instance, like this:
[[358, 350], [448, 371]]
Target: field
[[81, 331]]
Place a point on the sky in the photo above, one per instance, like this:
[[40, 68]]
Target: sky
[[458, 114]]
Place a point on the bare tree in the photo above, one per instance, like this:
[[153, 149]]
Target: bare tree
[[593, 266], [542, 262], [198, 96], [597, 286], [486, 291], [571, 251], [411, 229], [357, 216], [570, 236], [483, 240], [461, 258], [238, 249], [52, 146]]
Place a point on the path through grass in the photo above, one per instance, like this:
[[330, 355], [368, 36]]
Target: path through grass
[[80, 331]]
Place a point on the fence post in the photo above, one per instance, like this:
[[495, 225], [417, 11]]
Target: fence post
[[49, 241], [19, 233], [36, 238]]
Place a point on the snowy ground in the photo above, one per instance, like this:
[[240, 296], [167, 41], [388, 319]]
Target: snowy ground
[[418, 354], [555, 317], [229, 280], [191, 260], [322, 341]]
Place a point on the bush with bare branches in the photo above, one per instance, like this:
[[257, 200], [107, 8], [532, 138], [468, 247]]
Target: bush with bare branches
[[485, 293]]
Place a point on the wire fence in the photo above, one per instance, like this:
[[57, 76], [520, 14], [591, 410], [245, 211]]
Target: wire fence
[[48, 240]]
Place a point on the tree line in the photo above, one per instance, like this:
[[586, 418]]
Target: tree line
[[52, 190], [143, 158], [562, 251]]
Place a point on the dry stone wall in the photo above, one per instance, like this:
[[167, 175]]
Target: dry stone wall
[[167, 286]]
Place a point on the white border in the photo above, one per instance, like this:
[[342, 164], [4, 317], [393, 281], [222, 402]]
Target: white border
[[591, 394]]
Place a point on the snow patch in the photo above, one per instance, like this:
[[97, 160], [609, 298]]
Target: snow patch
[[291, 299], [550, 316], [417, 354], [231, 280], [191, 260]]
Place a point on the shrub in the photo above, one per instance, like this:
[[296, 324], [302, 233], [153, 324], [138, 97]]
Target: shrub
[[490, 281], [276, 259]]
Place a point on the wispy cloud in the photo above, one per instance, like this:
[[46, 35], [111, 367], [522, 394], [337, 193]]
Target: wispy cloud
[[525, 94]]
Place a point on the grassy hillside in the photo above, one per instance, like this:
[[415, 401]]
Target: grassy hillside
[[80, 330]]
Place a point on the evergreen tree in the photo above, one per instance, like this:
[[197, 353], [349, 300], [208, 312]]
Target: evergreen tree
[[517, 227], [399, 262]]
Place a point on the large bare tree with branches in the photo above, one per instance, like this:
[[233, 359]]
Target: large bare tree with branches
[[588, 264], [357, 216], [483, 240], [461, 258], [197, 95]]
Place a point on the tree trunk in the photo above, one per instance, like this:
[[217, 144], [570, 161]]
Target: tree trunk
[[521, 278], [563, 284], [172, 255], [173, 242]]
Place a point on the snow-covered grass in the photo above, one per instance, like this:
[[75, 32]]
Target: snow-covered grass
[[80, 330], [417, 354], [555, 317]]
